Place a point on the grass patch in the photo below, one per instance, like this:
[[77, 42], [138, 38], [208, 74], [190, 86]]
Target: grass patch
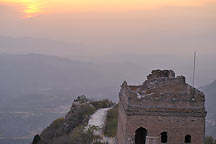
[[112, 121]]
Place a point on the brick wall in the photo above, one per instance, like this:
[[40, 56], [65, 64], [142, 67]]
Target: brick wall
[[163, 103]]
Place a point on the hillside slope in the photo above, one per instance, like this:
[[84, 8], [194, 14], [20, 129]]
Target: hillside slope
[[71, 128]]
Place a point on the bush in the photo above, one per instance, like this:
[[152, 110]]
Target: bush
[[112, 122], [79, 117], [102, 103], [79, 136], [37, 139], [58, 122], [210, 140], [55, 129], [81, 99]]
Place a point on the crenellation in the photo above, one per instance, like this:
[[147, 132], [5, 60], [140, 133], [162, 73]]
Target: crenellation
[[161, 74]]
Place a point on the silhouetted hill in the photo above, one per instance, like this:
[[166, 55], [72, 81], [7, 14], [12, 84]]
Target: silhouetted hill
[[210, 92]]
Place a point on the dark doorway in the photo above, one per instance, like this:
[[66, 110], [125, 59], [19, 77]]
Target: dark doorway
[[187, 139], [164, 137], [140, 137]]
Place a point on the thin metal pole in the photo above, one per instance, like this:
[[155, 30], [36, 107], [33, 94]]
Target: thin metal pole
[[194, 70]]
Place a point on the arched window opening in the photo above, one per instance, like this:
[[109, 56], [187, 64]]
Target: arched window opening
[[188, 139], [164, 137], [140, 137]]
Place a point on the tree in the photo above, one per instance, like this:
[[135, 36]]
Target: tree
[[210, 140], [36, 139], [81, 136]]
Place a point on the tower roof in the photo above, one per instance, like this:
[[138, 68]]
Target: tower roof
[[162, 91]]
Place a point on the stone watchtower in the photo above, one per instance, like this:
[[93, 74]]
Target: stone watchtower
[[163, 110]]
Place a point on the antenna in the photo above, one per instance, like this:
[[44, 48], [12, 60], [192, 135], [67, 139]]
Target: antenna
[[194, 70]]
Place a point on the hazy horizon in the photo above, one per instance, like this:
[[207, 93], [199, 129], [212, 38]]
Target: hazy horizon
[[140, 35], [99, 27]]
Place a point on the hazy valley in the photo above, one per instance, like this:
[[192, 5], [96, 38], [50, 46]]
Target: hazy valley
[[37, 89]]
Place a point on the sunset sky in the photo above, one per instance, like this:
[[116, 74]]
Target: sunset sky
[[107, 26], [36, 7]]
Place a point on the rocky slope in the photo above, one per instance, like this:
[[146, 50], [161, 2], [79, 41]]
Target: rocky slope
[[71, 128]]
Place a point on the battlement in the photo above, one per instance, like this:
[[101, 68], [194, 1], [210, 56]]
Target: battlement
[[162, 91], [161, 74]]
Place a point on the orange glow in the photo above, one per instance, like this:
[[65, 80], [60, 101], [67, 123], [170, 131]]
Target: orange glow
[[28, 7], [34, 7]]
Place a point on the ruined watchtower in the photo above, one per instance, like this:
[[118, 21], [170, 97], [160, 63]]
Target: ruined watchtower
[[163, 110]]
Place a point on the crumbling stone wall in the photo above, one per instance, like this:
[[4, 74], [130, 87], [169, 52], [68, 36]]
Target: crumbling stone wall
[[163, 103]]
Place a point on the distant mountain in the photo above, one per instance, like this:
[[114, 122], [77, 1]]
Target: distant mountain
[[35, 89], [33, 74], [25, 45], [210, 92], [134, 66]]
